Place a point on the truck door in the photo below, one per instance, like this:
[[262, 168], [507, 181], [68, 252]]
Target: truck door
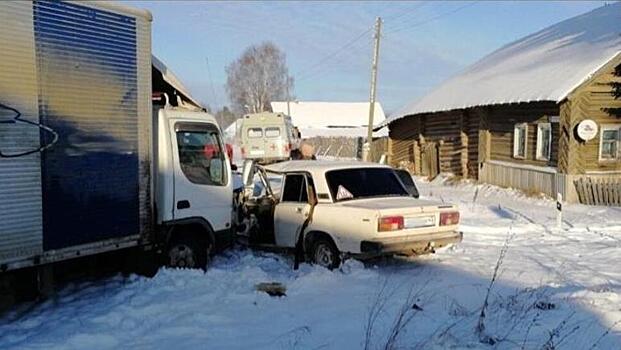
[[292, 209], [253, 142], [275, 146], [203, 184]]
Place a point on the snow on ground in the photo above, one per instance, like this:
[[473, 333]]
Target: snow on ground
[[560, 289]]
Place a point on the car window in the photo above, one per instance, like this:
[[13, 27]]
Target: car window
[[255, 133], [200, 154], [358, 183], [272, 132], [407, 180], [274, 181], [295, 189]]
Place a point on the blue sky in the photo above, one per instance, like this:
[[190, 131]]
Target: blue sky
[[423, 43]]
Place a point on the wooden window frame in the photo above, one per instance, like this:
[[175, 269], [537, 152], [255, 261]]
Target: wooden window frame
[[603, 128], [516, 141], [538, 150]]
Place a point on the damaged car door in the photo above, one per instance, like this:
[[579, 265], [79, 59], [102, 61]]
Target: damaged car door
[[292, 210]]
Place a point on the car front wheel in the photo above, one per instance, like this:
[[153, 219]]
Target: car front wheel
[[326, 254]]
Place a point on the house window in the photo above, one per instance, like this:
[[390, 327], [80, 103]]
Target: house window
[[609, 142], [544, 141], [520, 133]]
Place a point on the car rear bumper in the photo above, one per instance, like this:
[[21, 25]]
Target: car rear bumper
[[410, 245]]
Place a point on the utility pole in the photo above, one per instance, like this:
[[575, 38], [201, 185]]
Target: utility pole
[[366, 150]]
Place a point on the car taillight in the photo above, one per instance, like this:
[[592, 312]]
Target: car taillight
[[286, 148], [449, 218], [390, 223]]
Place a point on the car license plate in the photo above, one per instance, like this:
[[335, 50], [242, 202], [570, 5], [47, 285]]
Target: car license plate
[[257, 152], [420, 221]]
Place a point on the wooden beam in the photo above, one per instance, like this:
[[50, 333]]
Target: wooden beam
[[485, 137], [463, 133]]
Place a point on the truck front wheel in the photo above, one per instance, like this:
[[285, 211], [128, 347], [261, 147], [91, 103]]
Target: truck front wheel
[[186, 251]]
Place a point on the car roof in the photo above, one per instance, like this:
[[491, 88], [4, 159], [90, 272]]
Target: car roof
[[318, 169], [319, 165]]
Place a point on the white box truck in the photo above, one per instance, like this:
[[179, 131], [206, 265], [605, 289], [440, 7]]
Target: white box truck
[[88, 164]]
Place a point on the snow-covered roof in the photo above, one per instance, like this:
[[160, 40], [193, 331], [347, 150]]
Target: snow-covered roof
[[330, 118], [231, 131], [360, 131], [172, 79], [544, 66]]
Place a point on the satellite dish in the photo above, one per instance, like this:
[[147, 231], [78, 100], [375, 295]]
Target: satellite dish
[[587, 130]]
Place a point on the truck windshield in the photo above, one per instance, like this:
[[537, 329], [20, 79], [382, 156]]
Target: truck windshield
[[348, 184]]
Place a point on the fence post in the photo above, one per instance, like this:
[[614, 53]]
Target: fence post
[[559, 211]]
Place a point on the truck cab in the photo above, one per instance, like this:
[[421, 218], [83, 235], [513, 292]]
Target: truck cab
[[193, 186]]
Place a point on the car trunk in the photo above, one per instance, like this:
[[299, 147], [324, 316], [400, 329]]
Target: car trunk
[[418, 214]]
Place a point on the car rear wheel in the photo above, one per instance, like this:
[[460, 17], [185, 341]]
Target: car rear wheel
[[187, 252], [326, 254]]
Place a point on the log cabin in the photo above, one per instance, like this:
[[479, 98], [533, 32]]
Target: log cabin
[[541, 114]]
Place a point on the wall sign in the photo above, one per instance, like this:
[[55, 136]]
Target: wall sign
[[586, 130]]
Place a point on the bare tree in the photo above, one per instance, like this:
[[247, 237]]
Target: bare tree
[[257, 78]]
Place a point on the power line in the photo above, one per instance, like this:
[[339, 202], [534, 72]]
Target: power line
[[306, 73], [213, 90], [396, 10], [431, 19], [320, 71], [407, 12]]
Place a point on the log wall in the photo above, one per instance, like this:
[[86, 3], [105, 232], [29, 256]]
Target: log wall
[[594, 100], [455, 133]]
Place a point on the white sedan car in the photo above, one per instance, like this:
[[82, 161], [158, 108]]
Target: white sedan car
[[333, 209]]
